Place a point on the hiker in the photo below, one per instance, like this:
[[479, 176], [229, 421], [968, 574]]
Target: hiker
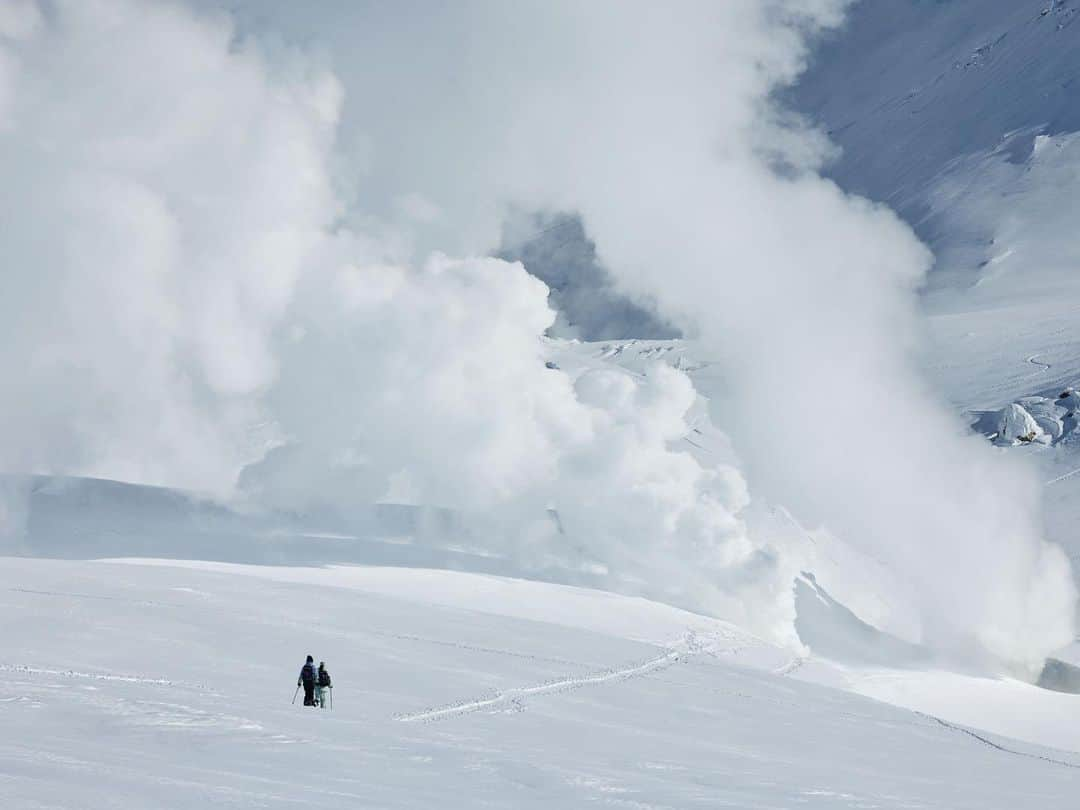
[[322, 681], [307, 678]]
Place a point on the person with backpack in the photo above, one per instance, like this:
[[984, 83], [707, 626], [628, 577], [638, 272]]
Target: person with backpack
[[307, 678], [322, 681]]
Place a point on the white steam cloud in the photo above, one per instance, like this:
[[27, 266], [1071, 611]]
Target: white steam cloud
[[230, 240], [164, 191], [808, 295]]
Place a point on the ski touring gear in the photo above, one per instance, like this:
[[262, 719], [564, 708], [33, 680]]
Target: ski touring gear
[[324, 686], [307, 679]]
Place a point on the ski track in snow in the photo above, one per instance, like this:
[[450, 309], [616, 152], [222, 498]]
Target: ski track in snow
[[996, 746], [1067, 475], [1043, 367], [513, 698], [17, 669]]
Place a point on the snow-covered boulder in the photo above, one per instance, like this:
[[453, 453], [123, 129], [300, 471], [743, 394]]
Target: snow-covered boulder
[[1016, 425], [1052, 427], [1048, 414]]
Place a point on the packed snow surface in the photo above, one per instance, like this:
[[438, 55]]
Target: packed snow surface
[[142, 685]]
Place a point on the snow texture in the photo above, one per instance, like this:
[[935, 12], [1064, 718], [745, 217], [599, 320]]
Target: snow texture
[[1016, 425], [182, 676], [259, 272]]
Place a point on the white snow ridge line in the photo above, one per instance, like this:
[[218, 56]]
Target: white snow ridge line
[[513, 696]]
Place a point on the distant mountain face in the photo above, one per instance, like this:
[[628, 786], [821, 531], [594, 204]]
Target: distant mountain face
[[907, 87], [964, 117], [935, 107], [556, 249]]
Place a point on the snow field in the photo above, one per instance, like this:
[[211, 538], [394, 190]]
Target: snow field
[[137, 685]]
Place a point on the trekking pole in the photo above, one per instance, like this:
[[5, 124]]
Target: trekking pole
[[294, 694], [331, 698]]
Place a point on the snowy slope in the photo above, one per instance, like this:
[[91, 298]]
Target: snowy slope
[[962, 116], [958, 114], [936, 108], [137, 685], [463, 687], [907, 86], [152, 636]]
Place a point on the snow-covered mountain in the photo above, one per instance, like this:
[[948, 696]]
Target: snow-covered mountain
[[757, 501], [907, 88], [963, 116]]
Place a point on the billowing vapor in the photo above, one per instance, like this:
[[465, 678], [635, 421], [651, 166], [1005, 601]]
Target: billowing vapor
[[808, 297], [222, 271], [155, 225]]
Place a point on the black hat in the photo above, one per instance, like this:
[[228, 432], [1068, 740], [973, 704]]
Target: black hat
[[310, 660]]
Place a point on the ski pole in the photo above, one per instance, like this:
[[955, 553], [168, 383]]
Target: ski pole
[[331, 698], [294, 694]]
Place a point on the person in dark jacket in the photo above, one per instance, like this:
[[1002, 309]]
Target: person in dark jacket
[[322, 681], [307, 678]]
